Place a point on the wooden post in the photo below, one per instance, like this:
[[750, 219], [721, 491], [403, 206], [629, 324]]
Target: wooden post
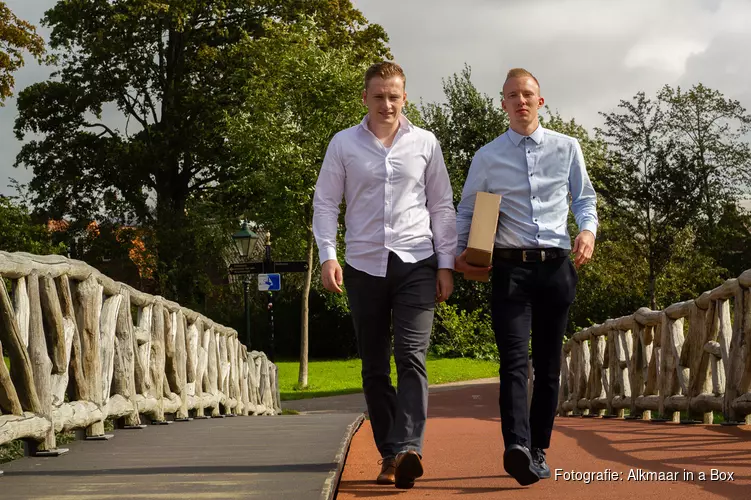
[[53, 322], [213, 371], [9, 402], [107, 326], [21, 307], [744, 386], [79, 388], [41, 364], [90, 307], [142, 350], [157, 364], [21, 373], [724, 336], [180, 359], [123, 381]]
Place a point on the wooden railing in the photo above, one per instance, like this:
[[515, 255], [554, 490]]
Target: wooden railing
[[78, 358], [694, 355]]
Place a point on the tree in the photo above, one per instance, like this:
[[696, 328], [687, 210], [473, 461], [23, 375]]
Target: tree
[[298, 96], [465, 122], [649, 185], [710, 129], [171, 71], [20, 233], [16, 36]]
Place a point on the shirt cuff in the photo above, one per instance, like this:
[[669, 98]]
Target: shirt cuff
[[589, 226], [328, 253], [445, 261]]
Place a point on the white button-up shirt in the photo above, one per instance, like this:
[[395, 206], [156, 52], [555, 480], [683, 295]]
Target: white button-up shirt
[[398, 199]]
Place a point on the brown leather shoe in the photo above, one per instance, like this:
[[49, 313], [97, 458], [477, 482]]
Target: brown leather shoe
[[387, 471], [408, 468]]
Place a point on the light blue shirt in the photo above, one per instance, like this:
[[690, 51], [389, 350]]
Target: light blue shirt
[[538, 177]]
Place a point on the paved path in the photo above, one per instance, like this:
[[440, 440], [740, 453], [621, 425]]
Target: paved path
[[295, 457], [463, 457]]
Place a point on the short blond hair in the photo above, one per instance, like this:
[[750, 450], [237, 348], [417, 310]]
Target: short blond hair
[[520, 73], [384, 70]]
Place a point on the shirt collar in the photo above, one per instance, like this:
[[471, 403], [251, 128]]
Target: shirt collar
[[404, 123], [536, 136]]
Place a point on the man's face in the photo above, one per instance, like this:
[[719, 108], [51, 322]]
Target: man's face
[[385, 99], [521, 100]]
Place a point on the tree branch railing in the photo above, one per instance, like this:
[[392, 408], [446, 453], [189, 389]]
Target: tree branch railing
[[77, 357], [693, 356]]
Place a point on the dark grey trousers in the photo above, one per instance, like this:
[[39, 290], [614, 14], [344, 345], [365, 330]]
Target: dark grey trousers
[[405, 297]]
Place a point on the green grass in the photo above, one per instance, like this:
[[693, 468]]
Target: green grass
[[331, 378]]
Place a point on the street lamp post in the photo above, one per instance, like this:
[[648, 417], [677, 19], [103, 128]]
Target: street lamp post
[[269, 266], [245, 241]]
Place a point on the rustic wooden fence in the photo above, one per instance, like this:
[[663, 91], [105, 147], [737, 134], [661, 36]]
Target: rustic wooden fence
[[78, 358], [693, 356]]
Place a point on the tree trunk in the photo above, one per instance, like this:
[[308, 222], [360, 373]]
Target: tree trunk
[[302, 379]]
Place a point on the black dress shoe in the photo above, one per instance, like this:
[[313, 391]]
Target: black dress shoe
[[408, 467], [539, 464], [517, 460]]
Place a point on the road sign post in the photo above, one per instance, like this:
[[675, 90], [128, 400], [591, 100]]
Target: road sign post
[[269, 281]]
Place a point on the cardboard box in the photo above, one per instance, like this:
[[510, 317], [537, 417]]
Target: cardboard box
[[482, 234]]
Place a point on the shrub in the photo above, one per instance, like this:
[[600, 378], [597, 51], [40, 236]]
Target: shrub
[[458, 333]]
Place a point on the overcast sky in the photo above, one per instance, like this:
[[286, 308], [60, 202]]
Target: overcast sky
[[587, 54]]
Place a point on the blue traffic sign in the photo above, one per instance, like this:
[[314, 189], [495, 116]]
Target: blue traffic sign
[[269, 282]]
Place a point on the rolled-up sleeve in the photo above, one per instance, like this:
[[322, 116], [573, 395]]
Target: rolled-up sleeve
[[440, 205], [326, 200], [583, 196]]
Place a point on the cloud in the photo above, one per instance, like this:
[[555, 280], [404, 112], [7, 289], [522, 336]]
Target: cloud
[[587, 54], [663, 54]]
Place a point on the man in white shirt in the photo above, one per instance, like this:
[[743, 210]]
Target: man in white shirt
[[400, 245]]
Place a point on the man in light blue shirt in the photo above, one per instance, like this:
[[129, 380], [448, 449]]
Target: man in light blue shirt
[[540, 174]]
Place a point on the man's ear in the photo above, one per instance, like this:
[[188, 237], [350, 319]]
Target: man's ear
[[542, 102], [503, 105]]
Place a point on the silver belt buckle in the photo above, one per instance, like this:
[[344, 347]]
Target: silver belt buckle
[[524, 255]]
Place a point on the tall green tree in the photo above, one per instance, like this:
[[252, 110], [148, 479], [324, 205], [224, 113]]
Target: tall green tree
[[16, 36], [649, 185], [463, 123], [709, 129], [298, 96], [171, 73]]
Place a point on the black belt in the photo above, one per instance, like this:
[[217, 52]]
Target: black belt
[[529, 255]]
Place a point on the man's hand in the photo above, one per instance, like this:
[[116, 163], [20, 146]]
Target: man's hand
[[331, 275], [462, 266], [444, 285], [584, 247]]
